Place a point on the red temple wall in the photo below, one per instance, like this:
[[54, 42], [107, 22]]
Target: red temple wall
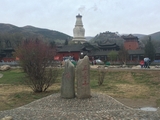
[[7, 59], [131, 45], [75, 55]]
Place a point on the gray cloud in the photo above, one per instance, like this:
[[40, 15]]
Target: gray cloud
[[95, 8], [81, 9]]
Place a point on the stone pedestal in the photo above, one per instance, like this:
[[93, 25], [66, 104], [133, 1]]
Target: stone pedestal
[[68, 81], [83, 78]]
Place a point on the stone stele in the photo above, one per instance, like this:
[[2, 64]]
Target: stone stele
[[83, 78], [68, 81]]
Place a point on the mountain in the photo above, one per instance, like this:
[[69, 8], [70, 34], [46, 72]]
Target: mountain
[[8, 28], [139, 35], [88, 38], [30, 31], [155, 36], [12, 32]]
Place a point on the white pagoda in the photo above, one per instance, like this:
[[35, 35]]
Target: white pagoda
[[79, 31]]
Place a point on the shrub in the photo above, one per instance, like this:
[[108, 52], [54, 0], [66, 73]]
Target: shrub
[[101, 75], [35, 56]]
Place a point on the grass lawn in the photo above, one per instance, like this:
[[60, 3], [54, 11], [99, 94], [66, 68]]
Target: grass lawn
[[123, 84]]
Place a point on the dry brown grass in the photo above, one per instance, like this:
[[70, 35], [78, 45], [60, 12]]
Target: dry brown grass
[[131, 87], [132, 90], [13, 96]]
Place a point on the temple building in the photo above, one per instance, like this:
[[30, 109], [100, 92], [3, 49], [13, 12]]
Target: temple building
[[131, 42], [79, 31], [6, 50], [109, 47]]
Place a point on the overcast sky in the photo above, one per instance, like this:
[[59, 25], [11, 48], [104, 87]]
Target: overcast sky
[[123, 16]]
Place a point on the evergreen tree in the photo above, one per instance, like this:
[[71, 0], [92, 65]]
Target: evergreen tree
[[52, 44], [150, 50], [66, 42]]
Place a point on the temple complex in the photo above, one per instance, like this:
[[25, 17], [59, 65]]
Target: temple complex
[[79, 31], [104, 43]]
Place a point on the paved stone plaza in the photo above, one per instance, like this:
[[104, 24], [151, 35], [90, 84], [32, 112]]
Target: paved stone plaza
[[98, 107]]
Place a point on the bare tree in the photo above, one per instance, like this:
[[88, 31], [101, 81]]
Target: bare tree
[[101, 75], [35, 56], [123, 55]]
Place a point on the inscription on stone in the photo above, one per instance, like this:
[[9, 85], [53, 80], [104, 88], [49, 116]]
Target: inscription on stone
[[83, 78], [85, 73]]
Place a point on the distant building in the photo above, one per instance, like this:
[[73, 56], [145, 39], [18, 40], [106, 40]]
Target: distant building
[[93, 51], [131, 42], [73, 50], [6, 54], [79, 31]]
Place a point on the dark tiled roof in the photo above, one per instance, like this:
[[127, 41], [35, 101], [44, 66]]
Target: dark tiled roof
[[71, 48], [109, 47], [94, 53], [130, 36], [8, 49], [77, 47], [90, 46], [107, 44]]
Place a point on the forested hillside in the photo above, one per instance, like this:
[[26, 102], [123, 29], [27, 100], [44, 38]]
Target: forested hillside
[[11, 36]]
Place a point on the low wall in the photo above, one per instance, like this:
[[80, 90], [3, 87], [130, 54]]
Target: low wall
[[156, 62], [12, 63]]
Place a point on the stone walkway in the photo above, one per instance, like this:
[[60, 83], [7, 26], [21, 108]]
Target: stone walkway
[[98, 107], [133, 67]]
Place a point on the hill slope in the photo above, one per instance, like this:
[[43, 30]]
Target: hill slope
[[154, 37], [30, 31]]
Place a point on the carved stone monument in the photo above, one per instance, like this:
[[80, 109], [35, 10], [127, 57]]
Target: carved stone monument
[[83, 78], [68, 81]]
